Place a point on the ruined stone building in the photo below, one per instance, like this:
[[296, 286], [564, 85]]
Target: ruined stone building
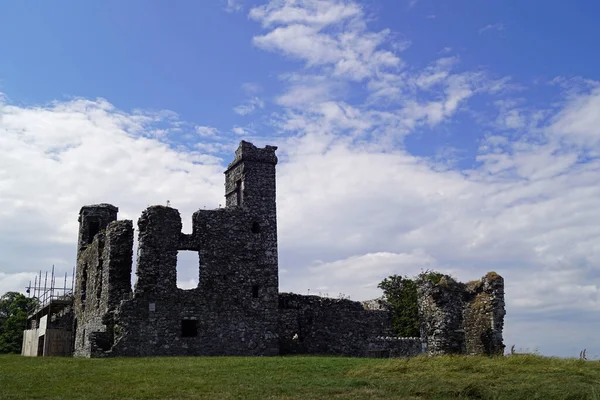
[[237, 309]]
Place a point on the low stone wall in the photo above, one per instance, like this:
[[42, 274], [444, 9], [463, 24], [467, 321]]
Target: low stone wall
[[317, 325], [395, 347]]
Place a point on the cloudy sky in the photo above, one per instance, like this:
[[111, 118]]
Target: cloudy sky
[[460, 136]]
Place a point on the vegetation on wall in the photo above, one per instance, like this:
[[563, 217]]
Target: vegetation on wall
[[401, 294]]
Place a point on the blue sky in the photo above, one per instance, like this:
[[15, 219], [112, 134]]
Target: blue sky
[[195, 57], [192, 57], [460, 136]]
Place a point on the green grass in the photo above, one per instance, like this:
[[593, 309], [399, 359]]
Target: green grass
[[522, 377]]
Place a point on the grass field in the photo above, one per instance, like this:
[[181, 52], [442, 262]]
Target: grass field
[[522, 377]]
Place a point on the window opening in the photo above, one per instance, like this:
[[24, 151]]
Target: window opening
[[189, 328], [40, 349], [99, 277], [255, 291], [188, 269], [239, 191], [83, 287], [255, 227], [93, 229]]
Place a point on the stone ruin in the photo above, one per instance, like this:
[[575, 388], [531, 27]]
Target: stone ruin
[[458, 318], [237, 308]]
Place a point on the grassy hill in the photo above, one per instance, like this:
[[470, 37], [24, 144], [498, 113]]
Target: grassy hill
[[522, 377]]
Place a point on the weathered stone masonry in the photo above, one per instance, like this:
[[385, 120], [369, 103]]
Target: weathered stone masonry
[[458, 318], [236, 308]]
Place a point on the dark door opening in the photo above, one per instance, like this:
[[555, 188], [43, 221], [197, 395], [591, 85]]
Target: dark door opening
[[41, 340]]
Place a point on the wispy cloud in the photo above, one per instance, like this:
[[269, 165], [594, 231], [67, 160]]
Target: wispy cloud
[[207, 131], [251, 88], [514, 207], [238, 130], [234, 5], [492, 27], [249, 106]]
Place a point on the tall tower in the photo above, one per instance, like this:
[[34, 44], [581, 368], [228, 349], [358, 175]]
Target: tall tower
[[250, 179], [93, 219]]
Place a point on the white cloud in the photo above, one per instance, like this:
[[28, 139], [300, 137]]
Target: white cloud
[[249, 106], [251, 88], [238, 130], [299, 31], [579, 122], [492, 27], [56, 158], [17, 282], [310, 12], [234, 6], [524, 209], [361, 272], [207, 131]]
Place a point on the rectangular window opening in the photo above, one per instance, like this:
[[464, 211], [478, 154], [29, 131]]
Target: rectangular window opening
[[93, 229], [255, 291], [239, 191], [188, 269], [189, 328]]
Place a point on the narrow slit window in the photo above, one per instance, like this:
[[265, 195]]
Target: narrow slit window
[[255, 227], [255, 291], [239, 192]]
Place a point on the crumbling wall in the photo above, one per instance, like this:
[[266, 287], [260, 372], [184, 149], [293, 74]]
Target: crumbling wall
[[484, 315], [458, 318], [233, 311], [103, 277], [236, 308], [159, 232], [88, 313], [317, 325], [441, 315]]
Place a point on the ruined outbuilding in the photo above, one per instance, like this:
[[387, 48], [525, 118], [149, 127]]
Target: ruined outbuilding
[[237, 309]]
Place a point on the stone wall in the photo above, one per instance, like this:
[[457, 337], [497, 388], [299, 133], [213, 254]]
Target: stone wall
[[234, 309], [317, 325], [441, 316], [395, 347], [103, 276], [458, 318], [484, 315]]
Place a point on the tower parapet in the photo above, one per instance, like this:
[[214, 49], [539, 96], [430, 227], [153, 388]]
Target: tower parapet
[[93, 219], [250, 179]]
